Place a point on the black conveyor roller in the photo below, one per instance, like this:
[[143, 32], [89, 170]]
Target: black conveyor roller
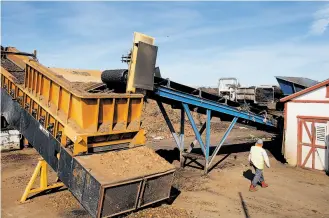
[[118, 76]]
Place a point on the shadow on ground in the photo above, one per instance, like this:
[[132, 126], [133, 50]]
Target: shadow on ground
[[47, 192], [244, 206], [274, 148], [248, 174]]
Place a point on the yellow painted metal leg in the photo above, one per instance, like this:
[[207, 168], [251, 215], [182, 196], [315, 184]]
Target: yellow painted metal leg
[[41, 168], [29, 185]]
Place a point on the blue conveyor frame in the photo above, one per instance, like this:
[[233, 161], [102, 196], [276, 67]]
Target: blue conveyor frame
[[188, 100]]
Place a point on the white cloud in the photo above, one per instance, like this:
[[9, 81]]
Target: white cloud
[[321, 21], [251, 65]]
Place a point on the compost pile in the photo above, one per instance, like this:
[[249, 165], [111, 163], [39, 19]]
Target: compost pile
[[13, 69], [124, 164], [156, 127]]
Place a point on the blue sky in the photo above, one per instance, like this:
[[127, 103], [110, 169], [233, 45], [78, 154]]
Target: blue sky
[[198, 41]]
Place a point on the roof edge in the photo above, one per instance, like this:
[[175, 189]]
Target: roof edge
[[320, 84]]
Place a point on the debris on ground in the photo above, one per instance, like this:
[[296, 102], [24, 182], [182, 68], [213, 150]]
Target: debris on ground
[[161, 212]]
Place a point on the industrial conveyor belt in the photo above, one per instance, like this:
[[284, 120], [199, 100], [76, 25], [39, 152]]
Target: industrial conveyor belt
[[87, 131], [93, 141], [186, 99], [175, 94]]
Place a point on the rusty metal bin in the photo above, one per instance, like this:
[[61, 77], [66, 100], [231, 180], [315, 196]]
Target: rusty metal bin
[[131, 195], [105, 196]]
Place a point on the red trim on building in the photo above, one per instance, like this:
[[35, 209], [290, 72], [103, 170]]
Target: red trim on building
[[311, 101], [316, 146], [307, 130], [324, 83], [299, 142], [327, 94], [313, 145], [313, 117], [285, 111], [311, 135]]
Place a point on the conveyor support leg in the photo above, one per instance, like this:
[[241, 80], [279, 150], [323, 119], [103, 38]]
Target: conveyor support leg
[[41, 168], [207, 141], [205, 145], [196, 131], [171, 127], [229, 129], [195, 142], [181, 137]]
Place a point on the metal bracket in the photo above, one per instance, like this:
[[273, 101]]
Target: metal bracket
[[20, 99], [27, 106], [34, 113], [42, 120], [50, 127], [12, 93], [59, 136]]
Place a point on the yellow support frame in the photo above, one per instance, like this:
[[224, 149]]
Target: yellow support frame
[[41, 168]]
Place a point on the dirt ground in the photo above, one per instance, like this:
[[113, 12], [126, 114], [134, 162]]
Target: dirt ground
[[292, 192]]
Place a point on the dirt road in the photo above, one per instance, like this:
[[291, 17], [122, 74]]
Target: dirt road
[[223, 193]]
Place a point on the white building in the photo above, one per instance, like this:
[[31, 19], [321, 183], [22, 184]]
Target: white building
[[306, 127]]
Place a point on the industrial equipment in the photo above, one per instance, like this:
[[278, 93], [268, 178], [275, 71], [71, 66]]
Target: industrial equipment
[[189, 99], [227, 87], [86, 126], [91, 138], [290, 85], [231, 89]]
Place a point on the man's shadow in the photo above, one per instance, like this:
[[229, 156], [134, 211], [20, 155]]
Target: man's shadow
[[248, 174]]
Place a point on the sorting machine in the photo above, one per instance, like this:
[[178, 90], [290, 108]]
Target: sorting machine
[[90, 139], [89, 131]]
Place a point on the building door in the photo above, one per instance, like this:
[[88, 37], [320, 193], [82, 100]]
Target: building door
[[312, 142]]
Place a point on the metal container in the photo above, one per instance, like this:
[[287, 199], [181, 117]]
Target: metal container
[[103, 197]]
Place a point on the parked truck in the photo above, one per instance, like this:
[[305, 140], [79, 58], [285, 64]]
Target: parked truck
[[231, 89], [10, 139]]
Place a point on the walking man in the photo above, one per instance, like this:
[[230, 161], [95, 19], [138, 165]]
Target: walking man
[[257, 157]]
